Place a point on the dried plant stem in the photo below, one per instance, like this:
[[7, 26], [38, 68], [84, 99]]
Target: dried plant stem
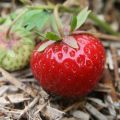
[[107, 37], [75, 105], [100, 35]]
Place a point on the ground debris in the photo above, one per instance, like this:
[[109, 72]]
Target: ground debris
[[80, 115], [93, 111]]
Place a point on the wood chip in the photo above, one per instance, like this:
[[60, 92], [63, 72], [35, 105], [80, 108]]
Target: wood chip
[[27, 108], [111, 107], [15, 98], [98, 102], [93, 111], [117, 105], [40, 107], [71, 118], [54, 114], [3, 89], [17, 83], [81, 115]]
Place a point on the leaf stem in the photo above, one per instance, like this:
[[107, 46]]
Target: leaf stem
[[57, 19], [102, 24]]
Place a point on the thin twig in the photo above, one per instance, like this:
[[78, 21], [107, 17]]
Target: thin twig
[[100, 35], [75, 105], [107, 37]]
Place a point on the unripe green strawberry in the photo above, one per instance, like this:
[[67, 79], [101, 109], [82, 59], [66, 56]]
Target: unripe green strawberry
[[15, 51]]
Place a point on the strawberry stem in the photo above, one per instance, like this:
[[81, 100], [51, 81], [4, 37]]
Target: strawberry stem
[[57, 19]]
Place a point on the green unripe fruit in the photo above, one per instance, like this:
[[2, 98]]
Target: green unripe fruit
[[15, 51]]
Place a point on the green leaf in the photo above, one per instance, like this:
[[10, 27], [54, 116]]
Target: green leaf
[[45, 45], [34, 19], [52, 36], [13, 15], [73, 23], [82, 16], [69, 40]]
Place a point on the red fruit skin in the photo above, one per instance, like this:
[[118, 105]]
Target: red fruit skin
[[70, 72]]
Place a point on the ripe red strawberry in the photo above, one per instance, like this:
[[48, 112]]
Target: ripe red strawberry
[[67, 71]]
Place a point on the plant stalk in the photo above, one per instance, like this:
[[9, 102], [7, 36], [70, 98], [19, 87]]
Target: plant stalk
[[103, 25], [57, 19]]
